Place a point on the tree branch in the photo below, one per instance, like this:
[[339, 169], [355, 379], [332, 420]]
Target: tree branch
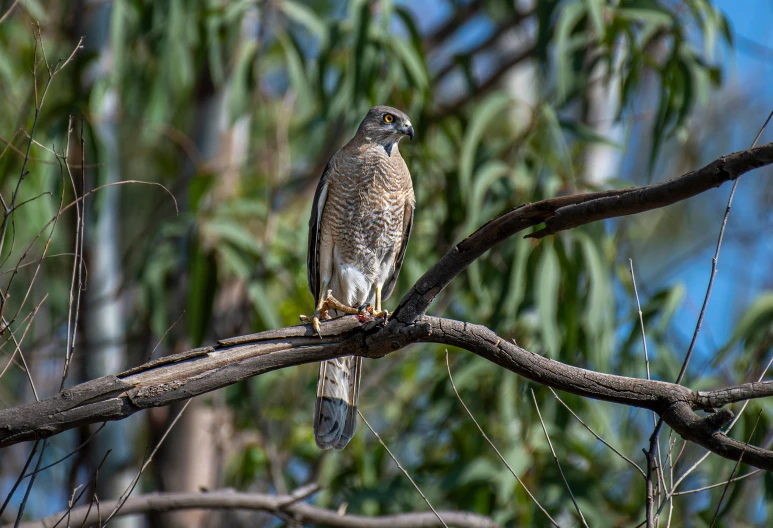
[[566, 212], [285, 504], [182, 376]]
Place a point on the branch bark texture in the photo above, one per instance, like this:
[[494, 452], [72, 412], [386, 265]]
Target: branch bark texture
[[182, 376]]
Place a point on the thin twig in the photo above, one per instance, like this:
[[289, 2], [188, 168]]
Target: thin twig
[[45, 250], [87, 486], [91, 505], [38, 107], [71, 453], [718, 484], [714, 260], [18, 346], [71, 502], [618, 453], [73, 306], [19, 478], [29, 486], [161, 340], [130, 488], [654, 443], [641, 321], [555, 458], [31, 262], [735, 468], [9, 11], [486, 438], [402, 469], [29, 200], [672, 463], [703, 310]]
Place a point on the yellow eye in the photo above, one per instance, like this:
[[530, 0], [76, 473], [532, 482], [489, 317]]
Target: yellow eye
[[388, 118]]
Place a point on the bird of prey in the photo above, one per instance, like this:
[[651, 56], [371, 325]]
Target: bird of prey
[[359, 228]]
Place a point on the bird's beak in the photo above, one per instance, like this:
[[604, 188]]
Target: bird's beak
[[407, 129]]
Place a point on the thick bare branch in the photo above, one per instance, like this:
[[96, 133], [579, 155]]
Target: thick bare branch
[[287, 504], [566, 212], [182, 376]]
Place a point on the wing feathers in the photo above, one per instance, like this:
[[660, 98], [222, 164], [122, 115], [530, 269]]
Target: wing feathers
[[389, 285], [315, 224]]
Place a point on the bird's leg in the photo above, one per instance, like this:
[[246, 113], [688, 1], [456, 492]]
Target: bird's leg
[[335, 304], [328, 302], [382, 314], [320, 311]]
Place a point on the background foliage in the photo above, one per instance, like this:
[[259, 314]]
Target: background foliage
[[236, 106]]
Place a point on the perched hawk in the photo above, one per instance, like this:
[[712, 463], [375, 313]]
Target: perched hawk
[[358, 231]]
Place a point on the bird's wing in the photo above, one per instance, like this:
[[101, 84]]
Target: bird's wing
[[315, 224], [407, 226]]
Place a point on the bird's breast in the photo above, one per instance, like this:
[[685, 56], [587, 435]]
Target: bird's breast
[[365, 209]]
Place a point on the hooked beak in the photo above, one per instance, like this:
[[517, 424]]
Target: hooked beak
[[407, 129]]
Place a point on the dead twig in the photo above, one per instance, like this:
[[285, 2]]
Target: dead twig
[[502, 458], [401, 468], [555, 458]]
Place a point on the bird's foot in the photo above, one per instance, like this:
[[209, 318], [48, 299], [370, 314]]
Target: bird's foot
[[334, 304], [321, 313], [372, 312], [365, 313], [314, 320]]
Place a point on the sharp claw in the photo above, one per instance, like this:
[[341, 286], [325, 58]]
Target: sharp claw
[[315, 325], [383, 314]]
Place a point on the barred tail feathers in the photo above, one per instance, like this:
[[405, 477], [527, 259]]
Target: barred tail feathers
[[335, 410]]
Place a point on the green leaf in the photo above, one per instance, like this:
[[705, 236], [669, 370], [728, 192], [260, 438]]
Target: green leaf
[[304, 16], [296, 67], [672, 301], [596, 15], [413, 62], [758, 317], [517, 289], [232, 231], [547, 299], [361, 23], [586, 134], [201, 293], [659, 17], [567, 21], [485, 177], [241, 83], [489, 110], [266, 308]]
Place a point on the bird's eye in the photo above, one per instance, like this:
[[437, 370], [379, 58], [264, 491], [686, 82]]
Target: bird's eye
[[388, 118]]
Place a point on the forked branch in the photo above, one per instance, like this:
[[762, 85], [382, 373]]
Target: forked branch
[[185, 375]]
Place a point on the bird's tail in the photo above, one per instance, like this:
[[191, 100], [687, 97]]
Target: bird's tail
[[335, 411]]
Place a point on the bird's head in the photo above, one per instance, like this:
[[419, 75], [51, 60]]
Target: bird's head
[[385, 125]]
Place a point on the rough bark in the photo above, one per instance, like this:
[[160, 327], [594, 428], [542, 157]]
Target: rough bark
[[182, 376]]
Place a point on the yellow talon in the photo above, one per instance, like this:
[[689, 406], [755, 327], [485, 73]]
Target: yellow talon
[[329, 303]]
